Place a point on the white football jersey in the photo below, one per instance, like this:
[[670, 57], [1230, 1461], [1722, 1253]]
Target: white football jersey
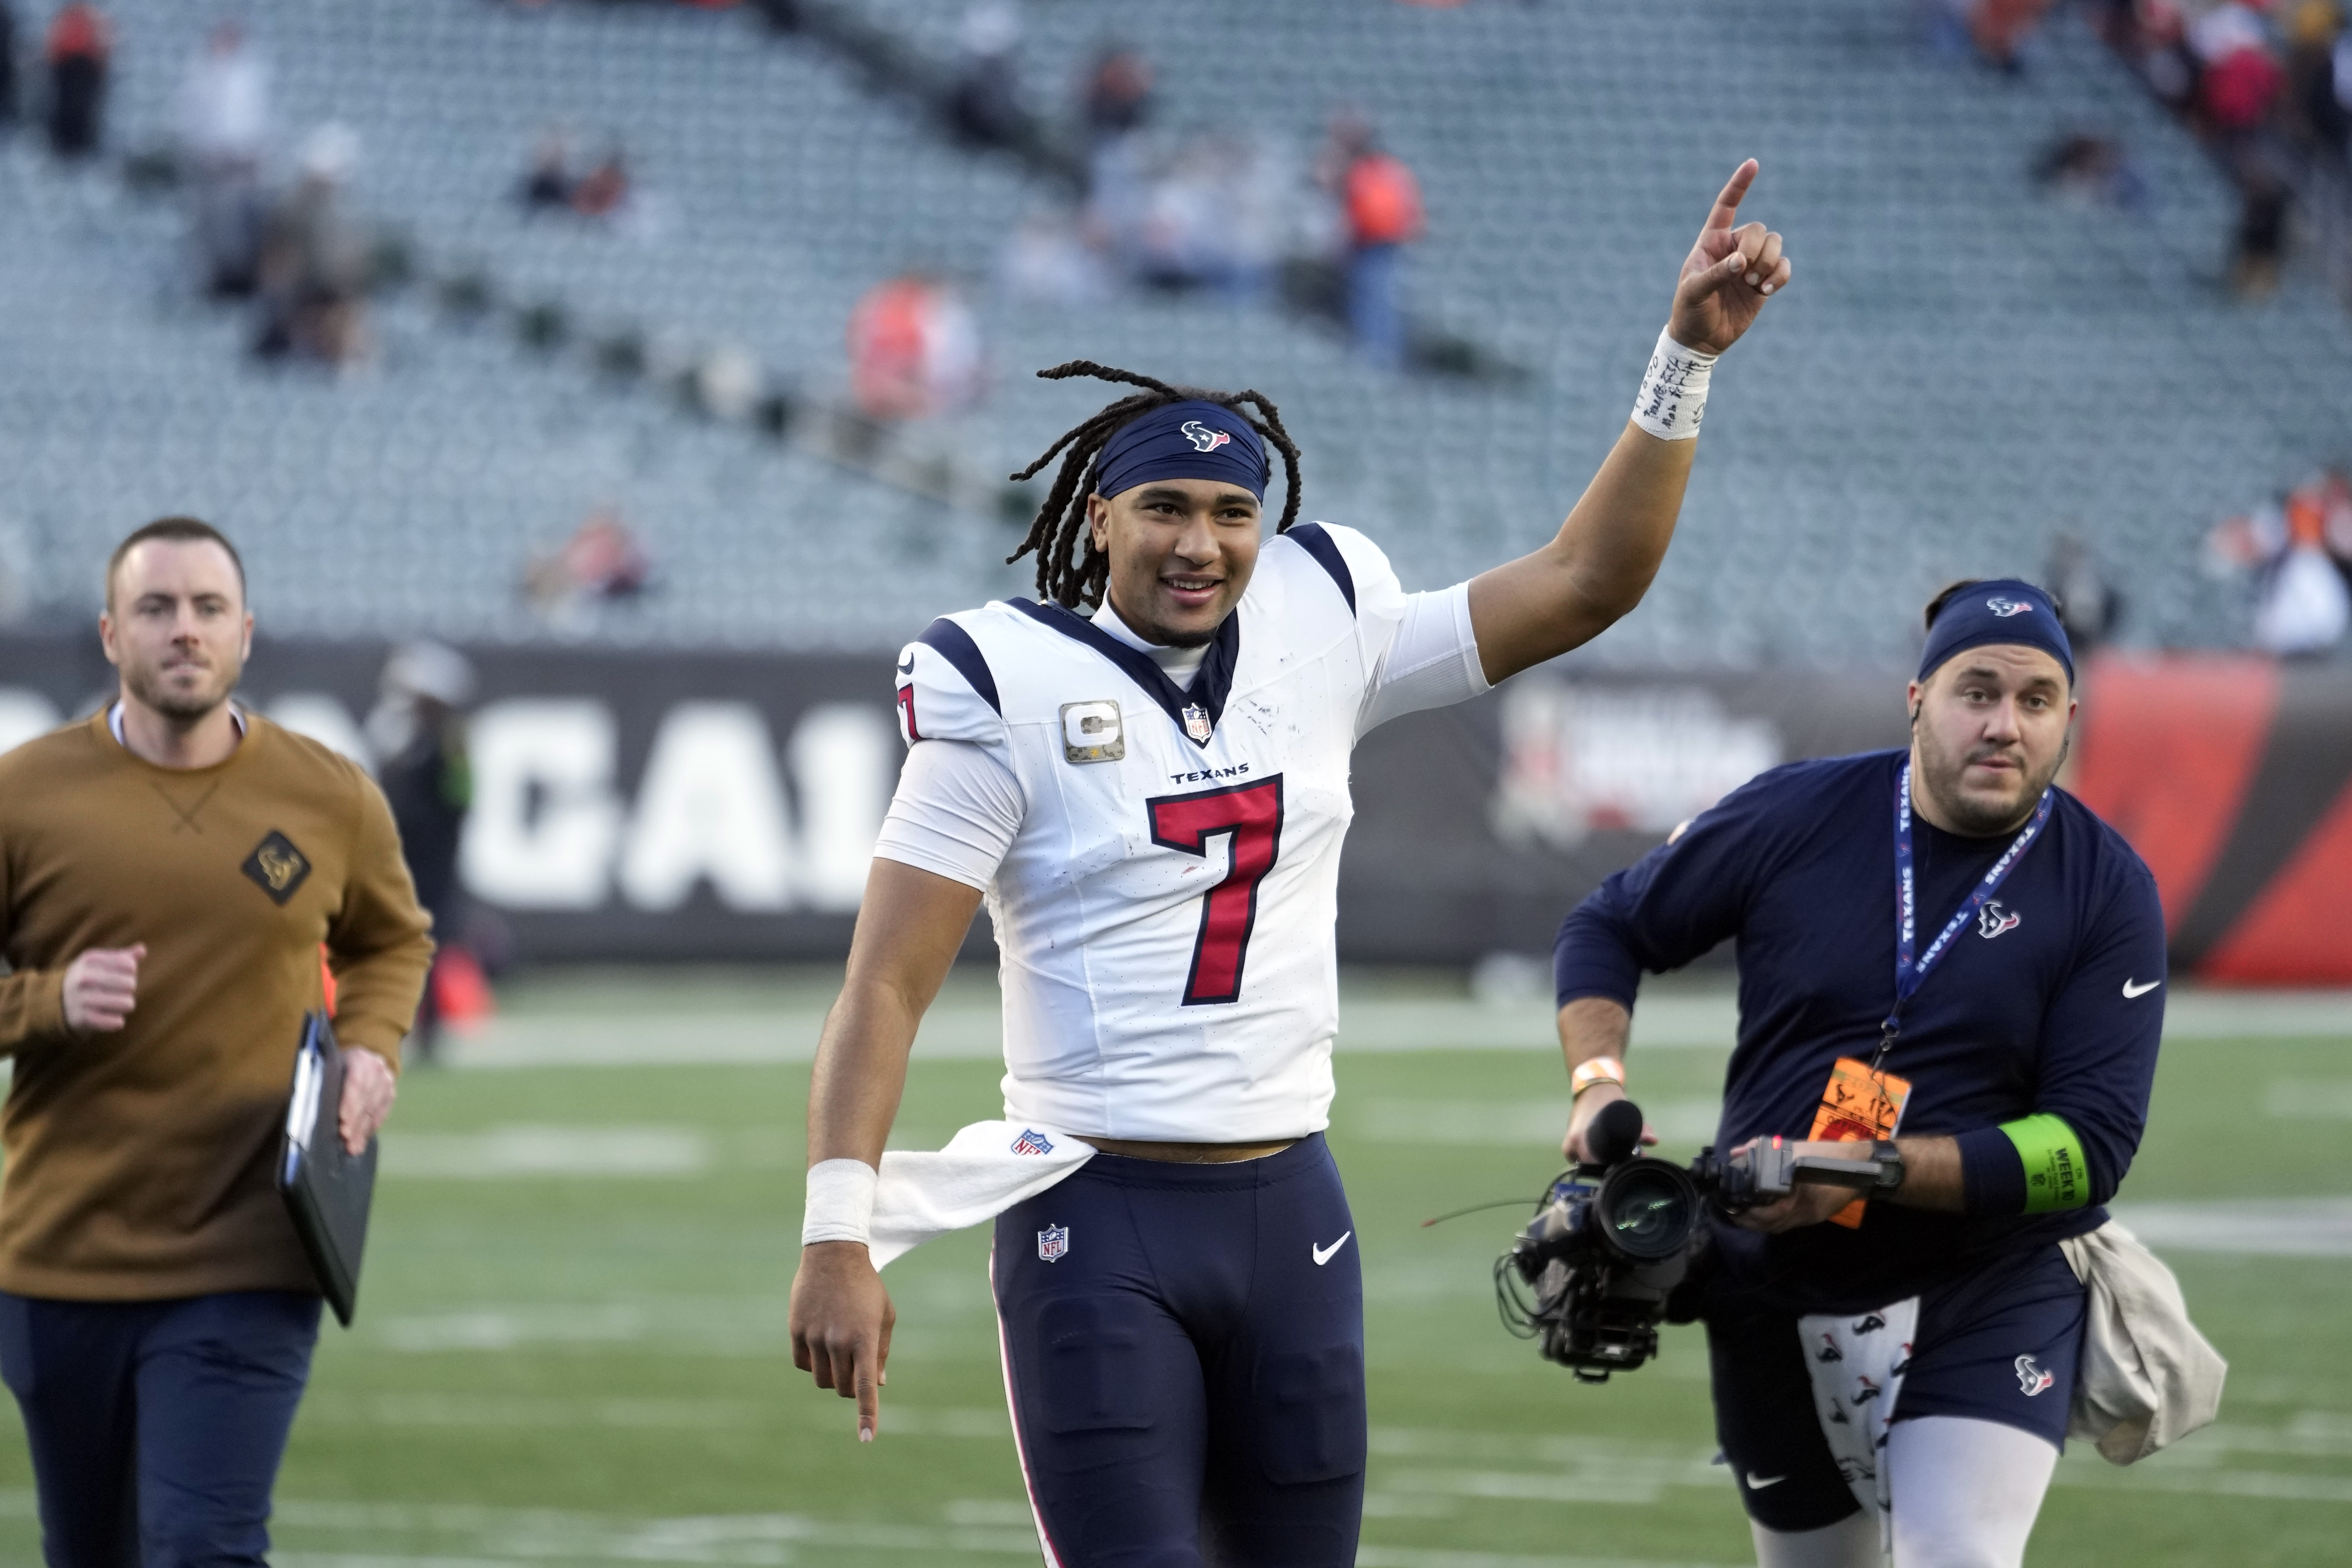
[[1166, 910]]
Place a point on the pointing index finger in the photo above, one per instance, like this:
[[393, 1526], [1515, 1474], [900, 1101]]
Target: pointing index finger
[[1726, 204]]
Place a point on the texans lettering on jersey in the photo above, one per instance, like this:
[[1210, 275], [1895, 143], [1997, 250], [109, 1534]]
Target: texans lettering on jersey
[[1166, 910]]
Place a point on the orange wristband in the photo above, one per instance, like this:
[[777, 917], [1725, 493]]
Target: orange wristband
[[1600, 1070]]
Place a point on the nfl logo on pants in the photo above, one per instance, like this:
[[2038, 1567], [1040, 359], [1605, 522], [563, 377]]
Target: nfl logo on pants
[[1053, 1242]]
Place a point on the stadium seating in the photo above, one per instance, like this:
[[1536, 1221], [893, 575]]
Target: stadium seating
[[1964, 367]]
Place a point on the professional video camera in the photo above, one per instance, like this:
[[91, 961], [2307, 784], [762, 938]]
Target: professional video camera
[[1614, 1239]]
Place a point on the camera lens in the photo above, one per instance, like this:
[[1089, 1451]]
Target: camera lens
[[1646, 1209]]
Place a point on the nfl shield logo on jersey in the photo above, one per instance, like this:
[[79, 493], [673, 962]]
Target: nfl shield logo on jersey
[[1196, 722], [1053, 1242]]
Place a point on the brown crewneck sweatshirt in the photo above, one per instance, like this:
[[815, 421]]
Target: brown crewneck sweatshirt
[[139, 1162]]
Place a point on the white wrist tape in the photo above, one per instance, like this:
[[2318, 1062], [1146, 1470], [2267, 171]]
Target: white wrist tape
[[840, 1202], [1674, 391]]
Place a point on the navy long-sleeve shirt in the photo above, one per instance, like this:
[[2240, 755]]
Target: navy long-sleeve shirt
[[2052, 1003]]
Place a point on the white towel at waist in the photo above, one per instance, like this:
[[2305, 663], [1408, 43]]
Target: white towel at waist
[[985, 1168], [2148, 1378]]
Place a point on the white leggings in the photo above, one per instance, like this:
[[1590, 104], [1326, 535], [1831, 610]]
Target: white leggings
[[1966, 1494]]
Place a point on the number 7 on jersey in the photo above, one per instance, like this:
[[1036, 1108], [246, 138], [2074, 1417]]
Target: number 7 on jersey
[[1251, 815]]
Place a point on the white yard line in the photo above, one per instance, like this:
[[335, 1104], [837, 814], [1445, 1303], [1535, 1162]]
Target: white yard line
[[1671, 1020]]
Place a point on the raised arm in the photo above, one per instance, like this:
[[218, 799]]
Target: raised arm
[[1601, 563], [908, 930]]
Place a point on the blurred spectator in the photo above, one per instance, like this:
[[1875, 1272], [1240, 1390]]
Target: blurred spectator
[[2319, 76], [2000, 28], [914, 350], [2299, 551], [2089, 604], [1379, 203], [2240, 79], [603, 191], [984, 98], [314, 261], [10, 111], [1117, 96], [223, 140], [79, 46], [417, 732], [601, 560], [2092, 169], [1050, 259], [2264, 197], [547, 183]]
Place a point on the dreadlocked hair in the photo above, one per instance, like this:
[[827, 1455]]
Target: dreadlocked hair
[[1070, 571]]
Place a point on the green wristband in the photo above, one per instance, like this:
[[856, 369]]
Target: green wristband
[[2056, 1176]]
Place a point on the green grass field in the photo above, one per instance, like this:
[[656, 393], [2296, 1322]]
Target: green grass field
[[570, 1345]]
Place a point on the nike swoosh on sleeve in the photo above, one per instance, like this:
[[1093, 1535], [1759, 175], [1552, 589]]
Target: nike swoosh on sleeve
[[2132, 991]]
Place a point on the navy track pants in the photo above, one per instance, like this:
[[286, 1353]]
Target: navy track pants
[[1184, 1357], [156, 1427]]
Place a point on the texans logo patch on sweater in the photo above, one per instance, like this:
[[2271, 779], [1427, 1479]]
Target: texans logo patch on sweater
[[277, 867], [1992, 920]]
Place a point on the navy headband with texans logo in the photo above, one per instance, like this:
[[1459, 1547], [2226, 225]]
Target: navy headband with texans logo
[[2003, 610], [1190, 440]]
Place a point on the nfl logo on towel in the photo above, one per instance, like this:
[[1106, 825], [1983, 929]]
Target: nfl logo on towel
[[1032, 1142], [1196, 722], [1053, 1242]]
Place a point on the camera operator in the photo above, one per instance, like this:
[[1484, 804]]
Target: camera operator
[[1939, 941]]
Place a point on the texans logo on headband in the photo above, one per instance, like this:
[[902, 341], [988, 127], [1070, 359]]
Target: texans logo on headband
[[1176, 441], [2015, 612]]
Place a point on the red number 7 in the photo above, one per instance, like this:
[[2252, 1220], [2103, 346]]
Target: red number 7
[[1251, 814]]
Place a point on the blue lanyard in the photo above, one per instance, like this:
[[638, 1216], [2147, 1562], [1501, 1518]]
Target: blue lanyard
[[1911, 966]]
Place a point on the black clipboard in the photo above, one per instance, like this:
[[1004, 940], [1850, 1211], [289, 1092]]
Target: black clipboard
[[327, 1189]]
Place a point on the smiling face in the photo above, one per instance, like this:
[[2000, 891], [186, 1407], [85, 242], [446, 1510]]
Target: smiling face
[[177, 627], [1180, 550], [1989, 732]]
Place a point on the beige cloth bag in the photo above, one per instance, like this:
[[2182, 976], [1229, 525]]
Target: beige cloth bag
[[2148, 1377]]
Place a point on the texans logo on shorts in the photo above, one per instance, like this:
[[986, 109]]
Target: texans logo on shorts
[[2004, 606], [1202, 438], [1054, 1243], [1829, 1351], [1992, 920], [1870, 1325], [2031, 1378]]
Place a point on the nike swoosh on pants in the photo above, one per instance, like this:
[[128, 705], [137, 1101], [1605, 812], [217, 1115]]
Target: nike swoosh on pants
[[1324, 1255], [2132, 991]]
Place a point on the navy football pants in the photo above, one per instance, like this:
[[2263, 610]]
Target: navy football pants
[[1185, 1356], [156, 1427]]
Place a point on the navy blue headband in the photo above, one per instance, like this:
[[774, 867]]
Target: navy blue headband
[[1189, 440], [2004, 610]]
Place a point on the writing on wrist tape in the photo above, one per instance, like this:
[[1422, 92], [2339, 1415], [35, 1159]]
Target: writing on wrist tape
[[1600, 1070], [2055, 1175], [840, 1202], [1674, 391]]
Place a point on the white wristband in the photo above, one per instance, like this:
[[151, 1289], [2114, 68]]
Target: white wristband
[[840, 1202], [1674, 391]]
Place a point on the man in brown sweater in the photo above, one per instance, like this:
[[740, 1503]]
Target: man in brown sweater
[[169, 871]]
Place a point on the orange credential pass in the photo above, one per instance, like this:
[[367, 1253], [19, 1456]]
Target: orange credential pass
[[1859, 1106]]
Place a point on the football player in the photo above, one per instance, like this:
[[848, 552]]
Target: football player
[[1145, 773]]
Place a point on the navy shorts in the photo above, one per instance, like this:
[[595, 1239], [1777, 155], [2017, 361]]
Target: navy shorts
[[2000, 1344], [1184, 1357]]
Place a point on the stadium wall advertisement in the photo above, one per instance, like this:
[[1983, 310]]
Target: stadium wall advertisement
[[674, 806]]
